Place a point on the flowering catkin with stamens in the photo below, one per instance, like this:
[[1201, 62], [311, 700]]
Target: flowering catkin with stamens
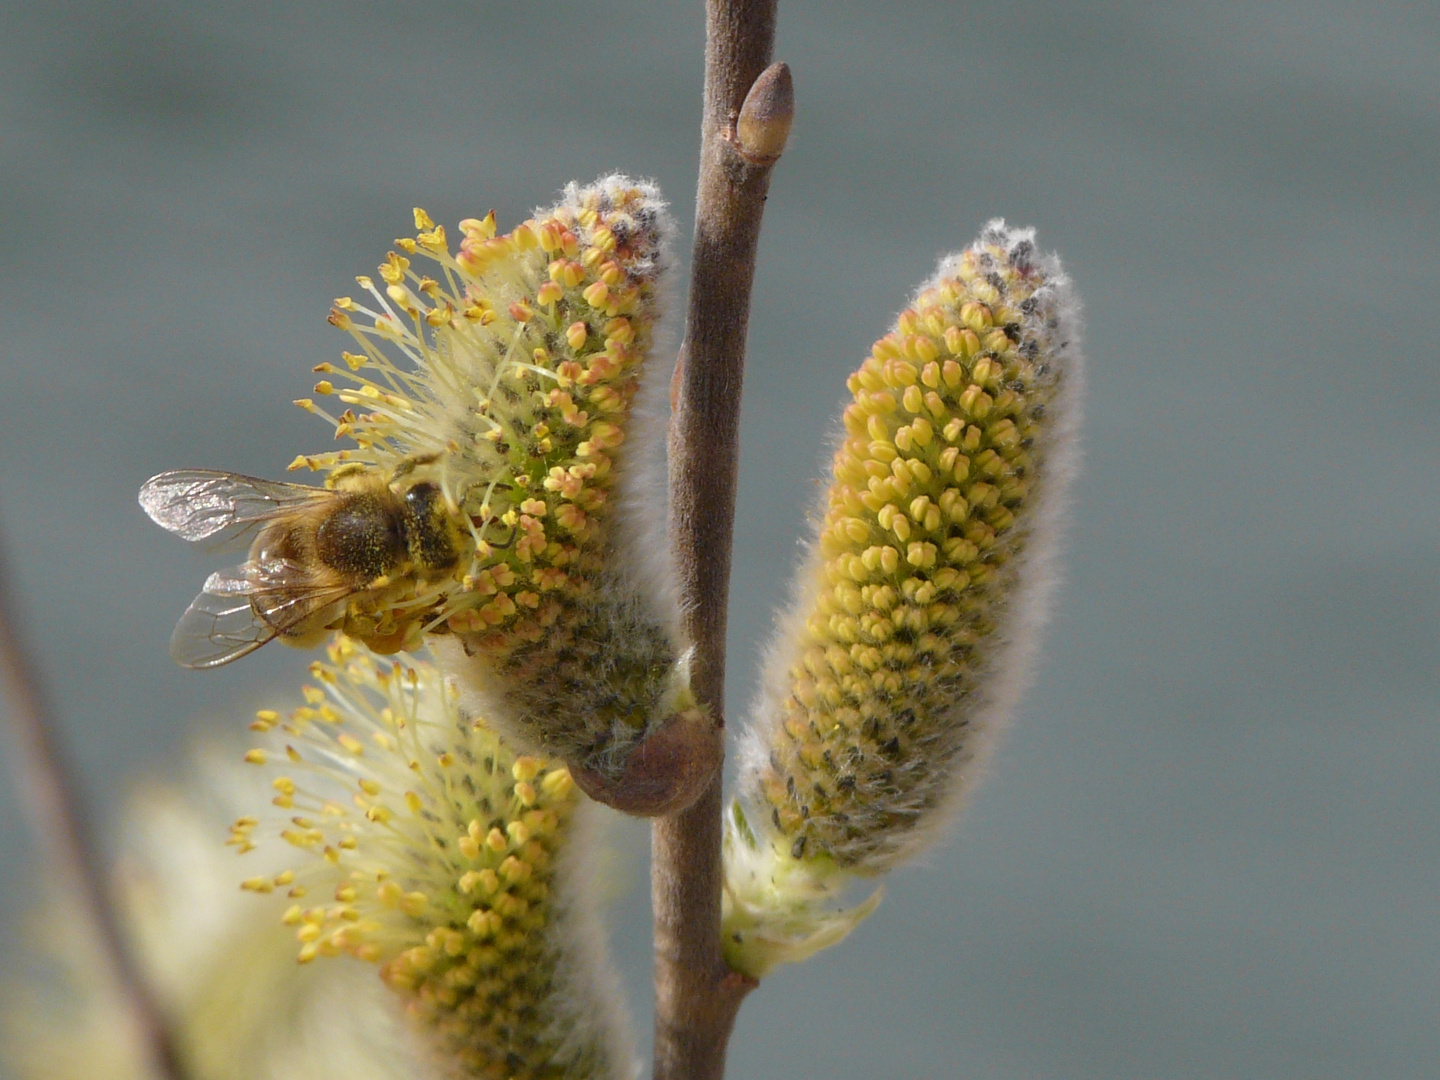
[[434, 851], [918, 606], [527, 360], [498, 495], [507, 373]]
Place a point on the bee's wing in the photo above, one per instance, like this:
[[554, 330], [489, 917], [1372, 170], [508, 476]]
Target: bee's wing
[[244, 607], [198, 503]]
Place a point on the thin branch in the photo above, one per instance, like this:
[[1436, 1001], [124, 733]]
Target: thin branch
[[51, 799], [748, 108]]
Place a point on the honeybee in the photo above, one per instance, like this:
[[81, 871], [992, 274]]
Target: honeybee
[[315, 549]]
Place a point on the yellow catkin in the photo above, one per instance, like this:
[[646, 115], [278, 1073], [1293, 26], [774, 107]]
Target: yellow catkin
[[487, 494], [518, 408], [927, 579], [442, 857]]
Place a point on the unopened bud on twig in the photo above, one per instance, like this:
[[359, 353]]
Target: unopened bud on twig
[[765, 117]]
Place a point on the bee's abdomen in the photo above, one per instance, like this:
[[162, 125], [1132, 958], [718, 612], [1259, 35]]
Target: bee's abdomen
[[429, 533], [361, 537]]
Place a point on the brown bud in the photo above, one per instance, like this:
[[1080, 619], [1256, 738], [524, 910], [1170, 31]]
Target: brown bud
[[664, 773], [766, 115]]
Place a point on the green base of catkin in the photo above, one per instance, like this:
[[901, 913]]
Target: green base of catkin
[[603, 675], [917, 610], [777, 909]]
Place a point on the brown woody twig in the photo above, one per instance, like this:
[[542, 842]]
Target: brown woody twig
[[52, 801], [748, 109]]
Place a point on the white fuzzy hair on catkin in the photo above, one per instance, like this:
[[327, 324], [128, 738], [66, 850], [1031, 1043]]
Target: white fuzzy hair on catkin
[[640, 536], [588, 1008]]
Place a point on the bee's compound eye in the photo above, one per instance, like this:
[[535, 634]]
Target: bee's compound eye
[[361, 536], [422, 498]]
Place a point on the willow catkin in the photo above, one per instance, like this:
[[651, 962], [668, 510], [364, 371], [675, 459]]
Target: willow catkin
[[426, 846], [917, 609], [497, 499]]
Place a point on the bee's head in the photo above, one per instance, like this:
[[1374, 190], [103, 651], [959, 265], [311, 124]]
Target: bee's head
[[432, 532]]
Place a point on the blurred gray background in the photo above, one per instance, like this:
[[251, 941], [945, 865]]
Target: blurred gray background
[[1208, 848]]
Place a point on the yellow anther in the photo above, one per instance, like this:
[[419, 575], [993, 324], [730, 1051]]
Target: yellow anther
[[389, 894], [976, 316], [468, 881], [882, 450], [513, 870], [557, 783], [976, 402], [524, 238]]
